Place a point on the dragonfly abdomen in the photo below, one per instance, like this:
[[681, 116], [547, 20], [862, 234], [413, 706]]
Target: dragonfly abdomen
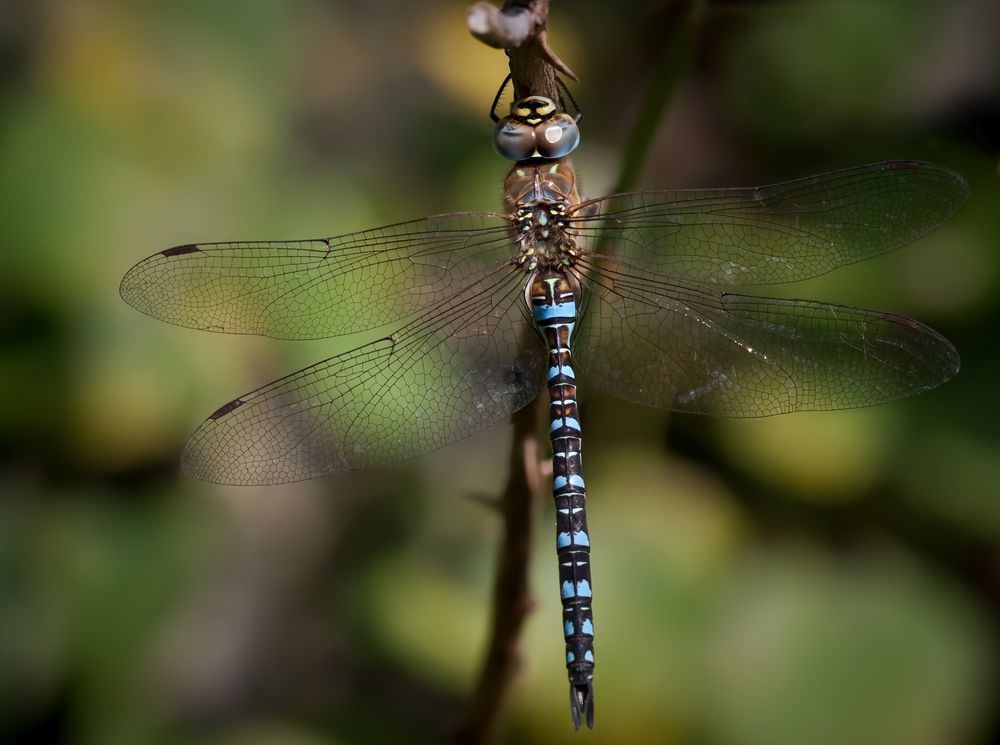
[[554, 309]]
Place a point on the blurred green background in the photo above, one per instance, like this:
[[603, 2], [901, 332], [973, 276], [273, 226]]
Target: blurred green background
[[813, 579]]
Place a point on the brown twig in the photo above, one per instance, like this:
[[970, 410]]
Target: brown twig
[[512, 599], [518, 27]]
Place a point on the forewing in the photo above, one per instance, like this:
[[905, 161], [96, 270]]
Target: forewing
[[319, 288], [462, 366], [675, 344], [772, 234]]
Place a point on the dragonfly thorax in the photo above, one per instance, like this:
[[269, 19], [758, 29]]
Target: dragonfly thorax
[[541, 200], [542, 238]]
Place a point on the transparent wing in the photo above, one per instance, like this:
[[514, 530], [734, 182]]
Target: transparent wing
[[676, 344], [318, 288], [772, 234], [462, 366]]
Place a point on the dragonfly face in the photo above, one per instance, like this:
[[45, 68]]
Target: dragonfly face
[[536, 128]]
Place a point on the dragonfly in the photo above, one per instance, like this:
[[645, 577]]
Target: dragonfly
[[638, 294]]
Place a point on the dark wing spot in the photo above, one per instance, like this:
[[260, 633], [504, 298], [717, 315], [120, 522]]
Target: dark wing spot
[[900, 320], [226, 408], [180, 250], [897, 165], [514, 376]]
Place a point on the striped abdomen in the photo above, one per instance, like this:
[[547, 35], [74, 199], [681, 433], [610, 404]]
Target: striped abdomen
[[554, 308]]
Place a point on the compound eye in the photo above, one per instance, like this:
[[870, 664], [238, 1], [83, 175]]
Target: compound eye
[[514, 139], [557, 136]]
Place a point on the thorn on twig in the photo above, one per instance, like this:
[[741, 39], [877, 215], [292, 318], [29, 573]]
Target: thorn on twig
[[513, 25], [490, 501], [543, 41], [536, 470]]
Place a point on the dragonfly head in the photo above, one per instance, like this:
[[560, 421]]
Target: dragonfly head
[[536, 128]]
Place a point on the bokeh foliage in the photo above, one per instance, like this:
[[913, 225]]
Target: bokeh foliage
[[809, 579]]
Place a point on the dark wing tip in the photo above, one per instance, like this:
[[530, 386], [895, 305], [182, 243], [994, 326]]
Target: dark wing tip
[[180, 250], [226, 408], [948, 362], [201, 461], [216, 453], [895, 165], [959, 187], [129, 288]]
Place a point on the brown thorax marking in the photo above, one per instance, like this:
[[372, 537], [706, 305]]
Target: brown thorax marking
[[540, 200], [541, 237]]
